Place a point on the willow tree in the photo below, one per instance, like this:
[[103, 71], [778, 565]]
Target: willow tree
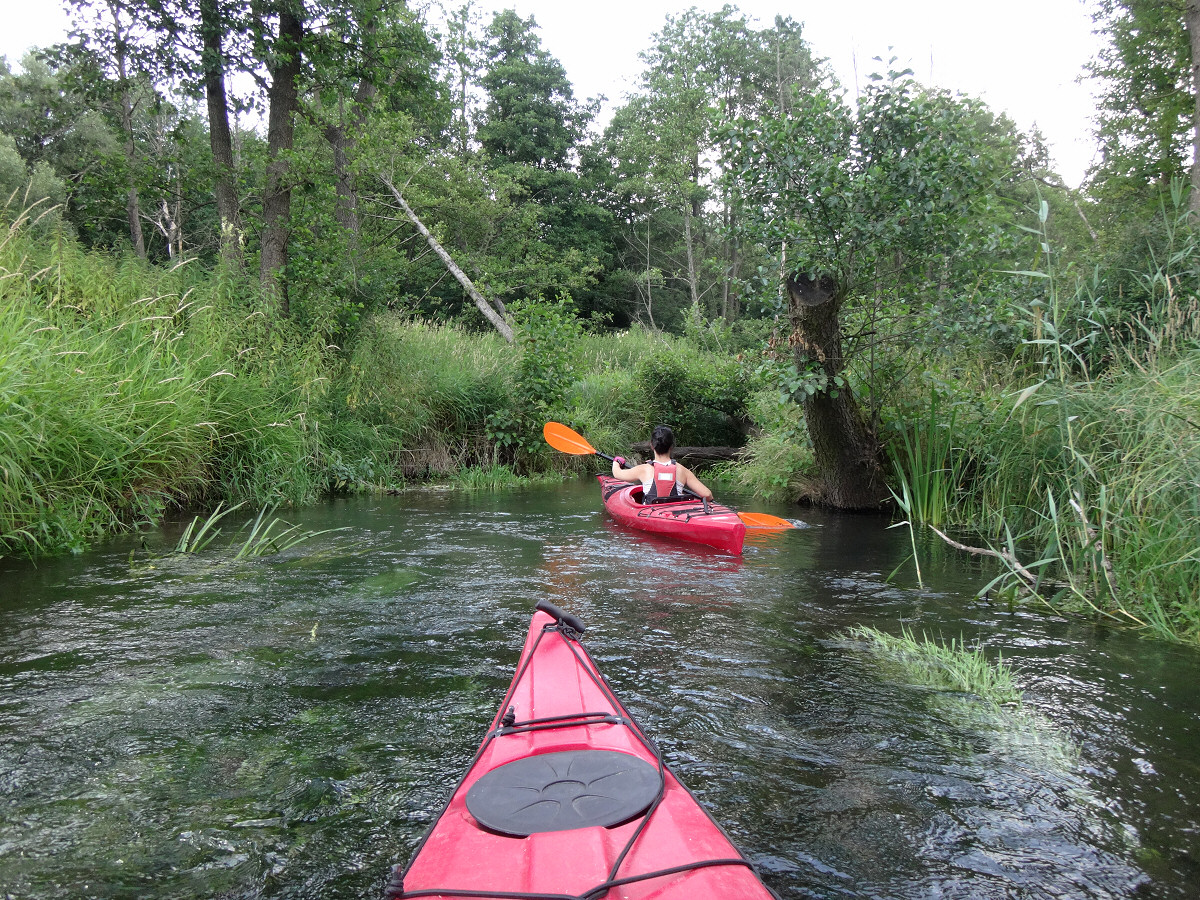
[[883, 209]]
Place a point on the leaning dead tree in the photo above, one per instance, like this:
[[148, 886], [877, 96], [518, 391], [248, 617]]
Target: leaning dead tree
[[489, 311]]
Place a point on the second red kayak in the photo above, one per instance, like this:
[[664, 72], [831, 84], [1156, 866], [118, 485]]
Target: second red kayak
[[567, 799], [689, 520]]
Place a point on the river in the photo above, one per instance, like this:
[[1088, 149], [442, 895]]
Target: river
[[193, 726]]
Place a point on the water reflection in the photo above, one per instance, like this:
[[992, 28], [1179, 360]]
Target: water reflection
[[287, 727]]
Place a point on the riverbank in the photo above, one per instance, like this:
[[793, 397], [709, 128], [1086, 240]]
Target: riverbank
[[129, 390]]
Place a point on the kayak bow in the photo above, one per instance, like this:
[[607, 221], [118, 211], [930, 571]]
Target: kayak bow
[[567, 798]]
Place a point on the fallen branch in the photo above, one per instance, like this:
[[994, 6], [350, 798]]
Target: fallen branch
[[689, 455], [987, 551]]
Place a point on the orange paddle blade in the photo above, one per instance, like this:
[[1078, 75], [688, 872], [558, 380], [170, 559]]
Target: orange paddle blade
[[563, 439], [765, 520]]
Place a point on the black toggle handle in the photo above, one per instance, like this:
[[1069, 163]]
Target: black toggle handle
[[563, 618]]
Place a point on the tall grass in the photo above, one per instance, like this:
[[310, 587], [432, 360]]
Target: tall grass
[[414, 396], [116, 403], [777, 455], [1095, 474], [102, 422], [1107, 493], [925, 465]]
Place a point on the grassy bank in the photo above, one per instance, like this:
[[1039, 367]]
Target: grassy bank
[[1077, 460], [125, 390], [128, 390]]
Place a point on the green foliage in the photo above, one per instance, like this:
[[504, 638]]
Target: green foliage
[[495, 478], [33, 196], [702, 396], [656, 160], [777, 457], [547, 337], [900, 195], [1086, 466], [200, 533], [1146, 110], [925, 464], [530, 117], [276, 536], [123, 393], [412, 395]]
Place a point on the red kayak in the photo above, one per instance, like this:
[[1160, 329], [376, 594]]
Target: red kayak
[[567, 799], [690, 520]]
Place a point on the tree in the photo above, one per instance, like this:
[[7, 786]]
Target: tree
[[367, 57], [112, 46], [53, 125], [530, 132], [462, 58], [530, 117], [1148, 116], [703, 71], [22, 187], [281, 39], [881, 210], [213, 25]]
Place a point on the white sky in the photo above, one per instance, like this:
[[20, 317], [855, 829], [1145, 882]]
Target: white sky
[[1023, 56]]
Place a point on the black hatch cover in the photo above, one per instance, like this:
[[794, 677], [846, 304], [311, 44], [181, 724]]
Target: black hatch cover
[[562, 791]]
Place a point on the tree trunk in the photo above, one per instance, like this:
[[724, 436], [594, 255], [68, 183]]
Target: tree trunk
[[480, 301], [339, 135], [132, 203], [846, 451], [693, 282], [283, 97], [1191, 18], [649, 280], [219, 135]]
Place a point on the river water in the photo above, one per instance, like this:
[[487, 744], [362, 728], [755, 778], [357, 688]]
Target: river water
[[287, 726]]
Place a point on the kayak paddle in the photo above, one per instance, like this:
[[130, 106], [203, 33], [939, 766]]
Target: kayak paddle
[[564, 440]]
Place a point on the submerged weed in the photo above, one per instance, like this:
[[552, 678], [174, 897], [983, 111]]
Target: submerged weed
[[943, 666]]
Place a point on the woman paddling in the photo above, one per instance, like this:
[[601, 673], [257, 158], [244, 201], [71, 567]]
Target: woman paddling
[[662, 478]]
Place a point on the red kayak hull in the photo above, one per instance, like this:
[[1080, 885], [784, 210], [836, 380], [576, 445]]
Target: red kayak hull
[[687, 520], [561, 703]]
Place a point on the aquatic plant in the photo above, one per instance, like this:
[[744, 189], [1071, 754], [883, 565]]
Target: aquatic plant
[[496, 477], [925, 466], [275, 536], [200, 533], [943, 665]]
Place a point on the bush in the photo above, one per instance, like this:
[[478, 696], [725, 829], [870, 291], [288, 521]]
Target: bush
[[702, 396]]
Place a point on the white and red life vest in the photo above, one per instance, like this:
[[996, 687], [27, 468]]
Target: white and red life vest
[[663, 483]]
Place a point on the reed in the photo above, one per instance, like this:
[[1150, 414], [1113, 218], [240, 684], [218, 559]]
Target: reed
[[200, 533], [267, 538], [101, 424], [926, 467], [1091, 474]]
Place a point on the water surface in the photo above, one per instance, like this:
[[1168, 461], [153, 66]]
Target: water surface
[[286, 727]]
